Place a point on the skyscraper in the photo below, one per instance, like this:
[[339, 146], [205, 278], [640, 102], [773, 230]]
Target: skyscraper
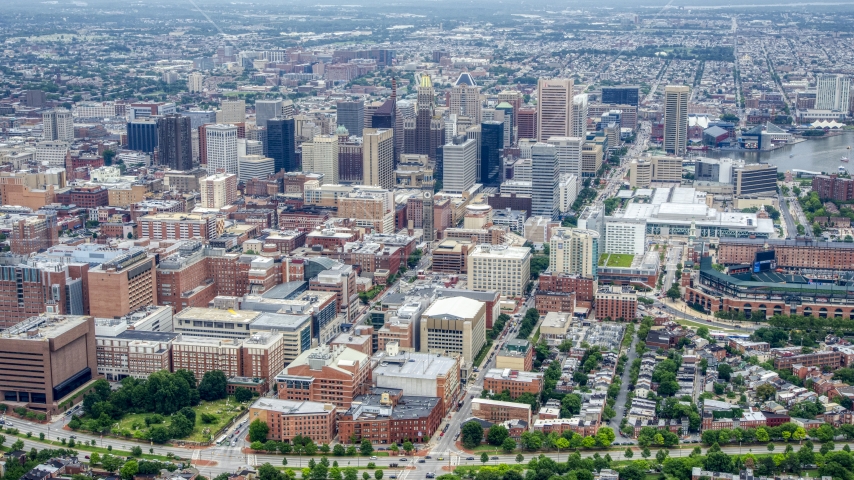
[[174, 142], [222, 148], [321, 156], [386, 116], [195, 82], [233, 111], [622, 95], [514, 98], [281, 143], [527, 123], [579, 115], [676, 118], [142, 135], [465, 98], [554, 108], [544, 180], [491, 152], [58, 125], [832, 93], [459, 158], [267, 109], [568, 154], [421, 137], [378, 157], [352, 116], [509, 115], [574, 251]]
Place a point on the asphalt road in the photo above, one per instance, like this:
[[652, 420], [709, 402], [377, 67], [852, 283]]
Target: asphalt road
[[620, 404]]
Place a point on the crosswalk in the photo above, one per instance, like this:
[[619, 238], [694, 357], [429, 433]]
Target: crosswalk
[[251, 460]]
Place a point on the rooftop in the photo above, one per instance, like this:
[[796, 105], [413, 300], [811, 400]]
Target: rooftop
[[292, 407], [43, 327], [217, 315], [412, 365], [454, 308], [515, 375]]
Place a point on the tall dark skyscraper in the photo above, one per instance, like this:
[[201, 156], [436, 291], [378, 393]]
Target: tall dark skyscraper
[[491, 150], [142, 135], [386, 117], [174, 142], [625, 95], [427, 133], [281, 144], [352, 116]]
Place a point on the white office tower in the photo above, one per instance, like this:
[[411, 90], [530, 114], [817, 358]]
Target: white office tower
[[568, 189], [195, 82], [267, 109], [321, 156], [624, 235], [287, 108], [544, 180], [579, 115], [52, 153], [256, 166], [554, 108], [676, 119], [568, 154], [460, 164], [473, 133], [451, 126], [249, 147], [233, 111], [218, 190], [574, 251], [832, 93], [58, 125], [221, 143], [465, 98]]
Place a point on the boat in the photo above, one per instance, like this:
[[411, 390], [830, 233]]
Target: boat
[[842, 170], [849, 147], [791, 155], [844, 159]]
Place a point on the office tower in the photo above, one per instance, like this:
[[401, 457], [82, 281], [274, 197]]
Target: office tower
[[568, 154], [554, 108], [509, 113], [472, 132], [755, 179], [142, 135], [579, 115], [515, 99], [174, 142], [421, 136], [465, 98], [832, 93], [233, 111], [451, 126], [255, 166], [527, 124], [200, 117], [378, 157], [124, 284], [221, 148], [288, 109], [427, 213], [499, 268], [281, 143], [58, 125], [349, 157], [35, 98], [386, 116], [249, 147], [195, 82], [544, 180], [574, 251], [218, 190], [321, 156], [454, 325], [352, 116], [267, 109], [491, 153], [622, 95], [459, 159], [676, 118]]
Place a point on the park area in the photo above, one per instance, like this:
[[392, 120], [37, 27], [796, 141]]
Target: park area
[[620, 260], [218, 414]]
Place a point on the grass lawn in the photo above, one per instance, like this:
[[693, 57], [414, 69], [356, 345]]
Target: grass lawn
[[224, 410], [690, 323], [616, 260]]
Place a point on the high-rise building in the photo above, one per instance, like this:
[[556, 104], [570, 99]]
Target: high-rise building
[[832, 93], [574, 251], [755, 178], [676, 118], [174, 142], [33, 234], [544, 181], [255, 166], [514, 98], [321, 156], [200, 117], [233, 111], [267, 109], [378, 157], [454, 325], [195, 82], [387, 116], [491, 153], [580, 108], [554, 108], [499, 268], [221, 141], [351, 115], [58, 125], [142, 135], [465, 98], [568, 154], [281, 143], [527, 123], [428, 131], [509, 122], [621, 95], [459, 158], [123, 285], [218, 190]]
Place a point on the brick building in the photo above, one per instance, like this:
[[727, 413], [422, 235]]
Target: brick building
[[288, 418], [85, 197], [516, 382], [830, 358], [30, 290], [496, 411], [324, 374], [584, 288], [385, 416], [31, 234], [179, 226], [124, 284], [617, 303]]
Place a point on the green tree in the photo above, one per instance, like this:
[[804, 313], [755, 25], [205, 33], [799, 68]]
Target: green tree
[[629, 453], [242, 394], [378, 475], [472, 434], [497, 434], [484, 457], [213, 385], [338, 450], [129, 469], [408, 447], [366, 448], [508, 445], [258, 431], [111, 463]]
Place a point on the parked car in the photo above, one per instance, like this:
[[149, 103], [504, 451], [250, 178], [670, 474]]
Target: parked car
[[373, 458], [469, 458]]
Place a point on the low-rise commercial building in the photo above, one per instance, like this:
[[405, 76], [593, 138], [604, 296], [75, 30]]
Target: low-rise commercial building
[[288, 418], [515, 382], [419, 374], [385, 416], [327, 375], [496, 411], [516, 354], [617, 303]]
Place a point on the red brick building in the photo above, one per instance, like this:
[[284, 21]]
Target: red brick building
[[584, 288], [325, 374], [513, 381], [287, 418], [617, 303], [386, 415]]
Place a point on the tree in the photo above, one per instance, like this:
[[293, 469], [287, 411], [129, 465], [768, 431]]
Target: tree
[[605, 436], [484, 457], [242, 394], [632, 471], [766, 391], [408, 447], [378, 474], [673, 292], [136, 451], [718, 462], [472, 434], [96, 459], [724, 372], [111, 463], [366, 448], [338, 450], [497, 434], [181, 426], [213, 385], [645, 453], [258, 431], [508, 445], [129, 469], [660, 455], [629, 453]]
